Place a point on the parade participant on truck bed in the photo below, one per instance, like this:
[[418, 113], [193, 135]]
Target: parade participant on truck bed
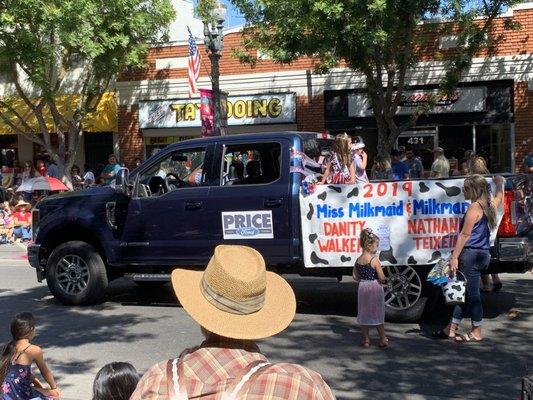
[[233, 310], [340, 168], [360, 160], [471, 255]]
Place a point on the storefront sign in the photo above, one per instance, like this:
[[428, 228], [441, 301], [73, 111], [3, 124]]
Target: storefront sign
[[462, 100], [241, 110], [247, 225], [417, 222]]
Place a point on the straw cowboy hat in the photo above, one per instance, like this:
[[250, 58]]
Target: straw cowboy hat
[[22, 203], [235, 296]]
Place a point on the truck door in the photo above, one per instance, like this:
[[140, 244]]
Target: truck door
[[166, 221], [250, 202]]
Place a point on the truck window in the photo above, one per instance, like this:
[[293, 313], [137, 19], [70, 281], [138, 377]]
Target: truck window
[[179, 169], [251, 164]]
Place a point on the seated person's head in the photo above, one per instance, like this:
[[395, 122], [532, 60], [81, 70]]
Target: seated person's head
[[115, 381]]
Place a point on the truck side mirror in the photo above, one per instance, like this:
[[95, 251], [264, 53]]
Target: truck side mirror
[[122, 181]]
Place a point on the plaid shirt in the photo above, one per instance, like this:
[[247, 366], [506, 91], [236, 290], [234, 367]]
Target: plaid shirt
[[210, 368]]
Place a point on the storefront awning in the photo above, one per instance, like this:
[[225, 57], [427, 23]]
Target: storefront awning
[[103, 120]]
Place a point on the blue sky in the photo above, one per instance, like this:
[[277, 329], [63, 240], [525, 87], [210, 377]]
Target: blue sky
[[234, 18]]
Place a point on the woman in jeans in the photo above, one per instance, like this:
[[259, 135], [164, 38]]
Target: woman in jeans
[[471, 253]]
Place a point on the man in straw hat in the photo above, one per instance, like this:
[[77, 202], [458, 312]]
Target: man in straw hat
[[235, 301]]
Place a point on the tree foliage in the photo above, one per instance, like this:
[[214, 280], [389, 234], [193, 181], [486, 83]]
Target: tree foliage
[[377, 38], [50, 48]]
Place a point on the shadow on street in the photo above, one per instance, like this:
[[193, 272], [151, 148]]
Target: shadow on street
[[414, 363]]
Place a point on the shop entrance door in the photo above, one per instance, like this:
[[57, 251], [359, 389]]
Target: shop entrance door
[[421, 142]]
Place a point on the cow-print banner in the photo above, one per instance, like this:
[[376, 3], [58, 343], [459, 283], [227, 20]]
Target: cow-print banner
[[417, 221]]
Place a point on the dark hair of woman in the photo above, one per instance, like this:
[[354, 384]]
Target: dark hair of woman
[[115, 381], [22, 325]]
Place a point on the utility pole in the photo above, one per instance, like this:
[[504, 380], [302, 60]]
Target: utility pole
[[214, 43]]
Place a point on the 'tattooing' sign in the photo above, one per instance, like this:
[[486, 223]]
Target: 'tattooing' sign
[[272, 108]]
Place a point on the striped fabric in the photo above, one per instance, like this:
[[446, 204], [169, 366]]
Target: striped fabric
[[195, 62], [210, 368]]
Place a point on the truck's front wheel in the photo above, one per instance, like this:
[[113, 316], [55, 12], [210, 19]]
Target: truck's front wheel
[[75, 274]]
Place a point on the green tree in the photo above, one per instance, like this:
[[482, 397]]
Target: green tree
[[63, 47], [377, 38]]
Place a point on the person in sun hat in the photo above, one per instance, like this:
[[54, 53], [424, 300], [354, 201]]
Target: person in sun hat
[[22, 220], [235, 301]]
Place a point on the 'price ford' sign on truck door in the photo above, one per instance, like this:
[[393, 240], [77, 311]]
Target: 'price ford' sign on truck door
[[247, 225]]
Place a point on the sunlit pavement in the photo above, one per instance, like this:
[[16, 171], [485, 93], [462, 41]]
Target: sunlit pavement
[[144, 327]]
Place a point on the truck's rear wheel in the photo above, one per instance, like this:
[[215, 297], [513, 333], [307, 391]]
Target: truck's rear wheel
[[403, 294], [76, 275]]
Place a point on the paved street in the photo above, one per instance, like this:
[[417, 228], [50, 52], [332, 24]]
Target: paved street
[[144, 327]]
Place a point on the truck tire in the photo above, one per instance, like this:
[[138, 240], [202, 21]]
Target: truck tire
[[76, 274], [405, 299]]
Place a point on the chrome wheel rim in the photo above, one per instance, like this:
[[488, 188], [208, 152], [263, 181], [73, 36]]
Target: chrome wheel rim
[[72, 274], [403, 288]]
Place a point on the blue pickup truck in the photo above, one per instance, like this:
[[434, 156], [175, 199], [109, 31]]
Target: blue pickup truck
[[193, 195]]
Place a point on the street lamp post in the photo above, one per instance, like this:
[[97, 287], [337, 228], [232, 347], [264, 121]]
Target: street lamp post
[[214, 43]]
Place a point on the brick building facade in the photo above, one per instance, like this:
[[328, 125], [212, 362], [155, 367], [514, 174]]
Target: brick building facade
[[498, 87]]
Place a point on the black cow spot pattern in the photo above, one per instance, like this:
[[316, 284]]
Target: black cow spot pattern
[[311, 212], [423, 187], [411, 260], [450, 190], [335, 188], [313, 237], [353, 192], [435, 256], [387, 255], [456, 287], [322, 196], [345, 259], [317, 260], [450, 296]]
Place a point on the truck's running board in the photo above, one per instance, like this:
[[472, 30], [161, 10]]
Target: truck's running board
[[149, 277]]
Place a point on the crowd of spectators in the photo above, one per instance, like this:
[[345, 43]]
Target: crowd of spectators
[[405, 164], [15, 205]]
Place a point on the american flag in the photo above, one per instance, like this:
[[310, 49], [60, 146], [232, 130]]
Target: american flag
[[194, 64]]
